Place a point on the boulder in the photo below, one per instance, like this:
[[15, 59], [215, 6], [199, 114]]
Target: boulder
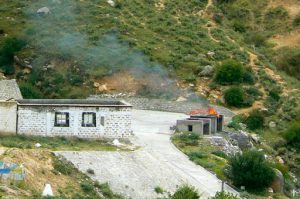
[[278, 182], [111, 3], [279, 160], [43, 11], [242, 139], [207, 71], [255, 138], [272, 124]]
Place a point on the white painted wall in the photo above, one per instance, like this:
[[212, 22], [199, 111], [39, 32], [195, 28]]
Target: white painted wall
[[39, 120], [8, 117]]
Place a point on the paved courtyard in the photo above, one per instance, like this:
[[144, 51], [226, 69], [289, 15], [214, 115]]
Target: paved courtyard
[[157, 163]]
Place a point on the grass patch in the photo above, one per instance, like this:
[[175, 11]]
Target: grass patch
[[56, 143], [203, 153]]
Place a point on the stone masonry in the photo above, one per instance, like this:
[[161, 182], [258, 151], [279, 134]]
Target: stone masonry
[[39, 120]]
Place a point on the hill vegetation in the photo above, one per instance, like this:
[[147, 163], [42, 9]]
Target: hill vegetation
[[251, 48]]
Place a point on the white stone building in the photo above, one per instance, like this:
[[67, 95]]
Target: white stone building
[[69, 118]]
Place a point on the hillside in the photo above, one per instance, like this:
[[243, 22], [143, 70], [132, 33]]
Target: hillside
[[170, 49]]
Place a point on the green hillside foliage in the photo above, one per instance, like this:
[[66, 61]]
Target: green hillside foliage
[[251, 170]]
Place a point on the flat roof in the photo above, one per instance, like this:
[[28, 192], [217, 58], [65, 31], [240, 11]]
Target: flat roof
[[73, 102]]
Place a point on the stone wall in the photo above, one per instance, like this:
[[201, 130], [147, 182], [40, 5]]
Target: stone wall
[[39, 120], [8, 117]]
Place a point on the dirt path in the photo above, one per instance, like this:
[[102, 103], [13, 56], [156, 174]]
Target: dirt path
[[157, 163], [210, 24]]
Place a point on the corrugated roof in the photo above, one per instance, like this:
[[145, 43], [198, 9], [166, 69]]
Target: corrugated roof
[[9, 89], [72, 102]]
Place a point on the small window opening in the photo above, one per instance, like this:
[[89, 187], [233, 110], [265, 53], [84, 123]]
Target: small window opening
[[190, 128]]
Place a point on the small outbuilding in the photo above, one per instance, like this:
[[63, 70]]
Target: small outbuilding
[[205, 122]]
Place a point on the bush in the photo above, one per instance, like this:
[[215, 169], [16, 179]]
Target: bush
[[292, 135], [288, 60], [196, 155], [188, 138], [185, 192], [10, 47], [220, 154], [255, 120], [248, 78], [86, 186], [158, 190], [30, 92], [256, 38], [230, 72], [297, 20], [63, 166], [234, 96], [251, 170], [224, 195]]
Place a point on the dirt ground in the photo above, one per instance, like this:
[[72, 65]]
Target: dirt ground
[[38, 170]]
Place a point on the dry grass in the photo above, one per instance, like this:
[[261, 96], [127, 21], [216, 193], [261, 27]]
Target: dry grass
[[39, 170]]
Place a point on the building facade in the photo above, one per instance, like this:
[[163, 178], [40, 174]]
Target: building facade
[[201, 124], [74, 118], [68, 118]]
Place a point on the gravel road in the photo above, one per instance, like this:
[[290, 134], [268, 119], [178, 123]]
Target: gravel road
[[157, 163]]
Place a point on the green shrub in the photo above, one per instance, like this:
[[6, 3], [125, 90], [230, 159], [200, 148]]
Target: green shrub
[[87, 186], [253, 92], [239, 27], [186, 192], [196, 155], [63, 166], [188, 138], [255, 120], [224, 195], [158, 190], [297, 20], [288, 60], [251, 170], [292, 135], [248, 78], [9, 48], [229, 72], [256, 38], [220, 154], [30, 92], [234, 96]]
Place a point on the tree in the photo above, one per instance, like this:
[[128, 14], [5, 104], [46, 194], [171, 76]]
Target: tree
[[255, 120], [234, 96], [251, 170], [7, 52], [292, 135], [229, 72]]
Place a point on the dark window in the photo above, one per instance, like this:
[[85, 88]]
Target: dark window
[[89, 119], [102, 121], [61, 119], [190, 128]]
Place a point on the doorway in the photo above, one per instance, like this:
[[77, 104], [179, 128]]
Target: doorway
[[206, 129]]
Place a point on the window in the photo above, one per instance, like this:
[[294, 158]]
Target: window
[[61, 119], [102, 121], [89, 119], [190, 128]]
